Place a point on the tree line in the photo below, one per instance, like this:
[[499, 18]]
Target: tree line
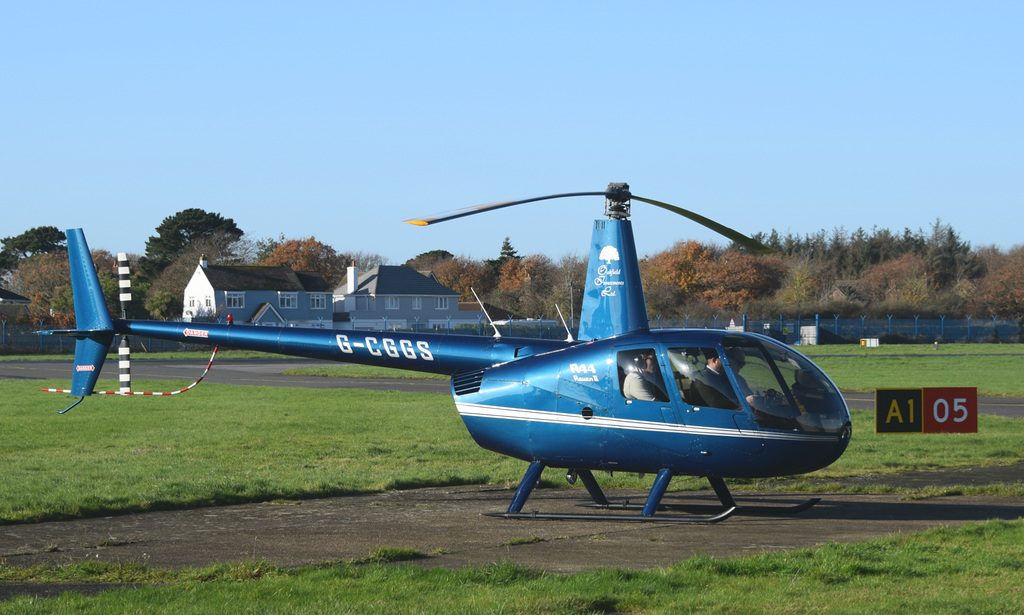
[[878, 273]]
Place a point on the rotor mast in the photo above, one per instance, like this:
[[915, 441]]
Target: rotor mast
[[617, 201]]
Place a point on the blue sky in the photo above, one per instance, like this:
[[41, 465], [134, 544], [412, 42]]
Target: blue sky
[[341, 119]]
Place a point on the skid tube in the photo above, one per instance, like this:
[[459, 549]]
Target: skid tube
[[647, 514], [728, 503], [670, 519]]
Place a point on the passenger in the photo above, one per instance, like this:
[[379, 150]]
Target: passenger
[[638, 382], [712, 388]]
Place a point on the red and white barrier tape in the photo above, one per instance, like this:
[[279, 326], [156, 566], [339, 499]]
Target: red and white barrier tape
[[210, 363]]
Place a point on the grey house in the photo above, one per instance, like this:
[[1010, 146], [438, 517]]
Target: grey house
[[397, 297], [271, 296], [12, 304]]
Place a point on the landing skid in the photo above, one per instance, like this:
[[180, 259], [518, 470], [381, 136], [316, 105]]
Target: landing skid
[[676, 519], [698, 514], [739, 509]]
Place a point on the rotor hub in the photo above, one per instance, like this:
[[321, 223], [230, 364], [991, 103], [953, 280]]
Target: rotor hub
[[617, 200]]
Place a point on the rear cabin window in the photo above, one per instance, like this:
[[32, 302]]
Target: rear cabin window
[[640, 375]]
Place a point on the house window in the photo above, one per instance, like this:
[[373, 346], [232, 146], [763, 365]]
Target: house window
[[390, 303], [207, 302], [317, 302], [191, 301], [440, 303], [235, 300], [288, 301], [417, 303]]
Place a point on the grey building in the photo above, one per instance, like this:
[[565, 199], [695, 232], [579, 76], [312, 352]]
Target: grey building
[[398, 297]]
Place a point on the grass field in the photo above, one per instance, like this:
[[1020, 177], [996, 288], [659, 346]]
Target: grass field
[[972, 569], [995, 369], [224, 444], [992, 373]]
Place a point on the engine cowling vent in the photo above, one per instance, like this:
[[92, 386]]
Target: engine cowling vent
[[468, 382]]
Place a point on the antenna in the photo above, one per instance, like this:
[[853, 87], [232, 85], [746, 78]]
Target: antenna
[[568, 336], [484, 310]]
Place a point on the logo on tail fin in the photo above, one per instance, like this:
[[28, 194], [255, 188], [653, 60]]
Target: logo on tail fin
[[607, 277], [608, 254]]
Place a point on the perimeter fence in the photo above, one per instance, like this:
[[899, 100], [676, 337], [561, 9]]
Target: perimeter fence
[[17, 338], [819, 329]]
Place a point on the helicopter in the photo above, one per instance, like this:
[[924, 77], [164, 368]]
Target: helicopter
[[620, 397]]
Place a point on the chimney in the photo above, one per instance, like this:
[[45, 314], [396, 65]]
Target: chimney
[[353, 279], [203, 262]]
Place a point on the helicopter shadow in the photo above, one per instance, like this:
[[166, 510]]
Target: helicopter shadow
[[947, 508]]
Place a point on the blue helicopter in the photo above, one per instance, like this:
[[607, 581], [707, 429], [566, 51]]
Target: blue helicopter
[[621, 397]]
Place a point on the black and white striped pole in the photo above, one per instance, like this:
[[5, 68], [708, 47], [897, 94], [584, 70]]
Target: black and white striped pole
[[124, 362]]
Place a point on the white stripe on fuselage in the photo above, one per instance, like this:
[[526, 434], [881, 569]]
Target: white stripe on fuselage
[[564, 418]]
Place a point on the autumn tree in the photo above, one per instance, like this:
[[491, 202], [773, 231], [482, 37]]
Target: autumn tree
[[903, 279], [308, 255], [45, 279], [1001, 291], [462, 274], [524, 286], [672, 277], [737, 278]]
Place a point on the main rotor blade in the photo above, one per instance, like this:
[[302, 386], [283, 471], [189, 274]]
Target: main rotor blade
[[476, 209], [723, 230]]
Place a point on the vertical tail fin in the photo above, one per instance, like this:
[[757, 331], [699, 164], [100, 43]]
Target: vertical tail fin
[[94, 331], [613, 302]]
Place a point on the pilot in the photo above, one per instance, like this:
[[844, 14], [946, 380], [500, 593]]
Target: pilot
[[639, 384], [712, 388]]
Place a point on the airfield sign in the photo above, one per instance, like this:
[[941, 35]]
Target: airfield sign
[[927, 410]]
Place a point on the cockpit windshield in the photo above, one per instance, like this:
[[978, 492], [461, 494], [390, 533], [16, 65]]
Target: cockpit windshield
[[782, 388]]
